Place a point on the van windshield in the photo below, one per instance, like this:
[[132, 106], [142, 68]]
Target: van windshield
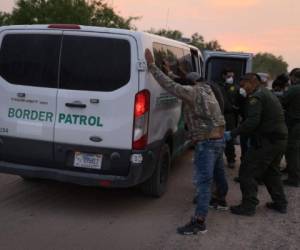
[[94, 63]]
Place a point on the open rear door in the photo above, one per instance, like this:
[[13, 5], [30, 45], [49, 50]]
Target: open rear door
[[216, 61]]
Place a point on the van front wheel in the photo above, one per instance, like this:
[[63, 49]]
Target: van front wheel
[[157, 184]]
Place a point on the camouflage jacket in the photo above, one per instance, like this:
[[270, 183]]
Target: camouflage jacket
[[202, 112]]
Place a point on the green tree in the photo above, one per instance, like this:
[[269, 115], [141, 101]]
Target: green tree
[[173, 34], [96, 13], [198, 41], [213, 45], [4, 18], [269, 63]]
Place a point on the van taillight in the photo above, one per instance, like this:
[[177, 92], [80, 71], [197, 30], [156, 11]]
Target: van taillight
[[141, 120]]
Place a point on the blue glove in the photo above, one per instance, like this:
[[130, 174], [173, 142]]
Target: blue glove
[[227, 136]]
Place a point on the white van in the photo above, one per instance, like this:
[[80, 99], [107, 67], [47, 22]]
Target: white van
[[78, 105]]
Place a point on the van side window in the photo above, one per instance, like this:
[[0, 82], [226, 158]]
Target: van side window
[[94, 63], [30, 59], [178, 59], [201, 67], [188, 62]]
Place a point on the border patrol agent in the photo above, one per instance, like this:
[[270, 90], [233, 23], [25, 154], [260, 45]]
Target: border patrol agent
[[291, 103], [230, 94], [265, 125]]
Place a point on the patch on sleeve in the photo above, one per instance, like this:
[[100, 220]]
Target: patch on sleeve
[[253, 100], [232, 88]]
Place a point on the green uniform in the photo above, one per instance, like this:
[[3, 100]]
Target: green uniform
[[291, 103], [265, 125], [230, 96]]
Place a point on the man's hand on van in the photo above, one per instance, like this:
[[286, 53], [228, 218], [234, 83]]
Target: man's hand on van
[[149, 57]]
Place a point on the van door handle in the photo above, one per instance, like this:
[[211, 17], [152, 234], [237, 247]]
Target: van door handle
[[94, 101], [76, 105]]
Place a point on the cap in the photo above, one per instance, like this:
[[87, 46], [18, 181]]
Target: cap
[[193, 76], [250, 77]]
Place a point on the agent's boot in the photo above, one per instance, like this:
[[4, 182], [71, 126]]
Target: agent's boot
[[242, 210], [277, 207]]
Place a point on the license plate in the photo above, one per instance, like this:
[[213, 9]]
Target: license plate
[[84, 160]]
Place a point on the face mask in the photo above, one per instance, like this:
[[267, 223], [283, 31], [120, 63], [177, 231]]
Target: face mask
[[278, 93], [229, 80], [243, 92]]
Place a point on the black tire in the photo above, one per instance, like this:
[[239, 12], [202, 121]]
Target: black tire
[[156, 185]]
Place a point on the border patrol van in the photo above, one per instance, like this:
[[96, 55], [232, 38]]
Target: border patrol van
[[78, 105]]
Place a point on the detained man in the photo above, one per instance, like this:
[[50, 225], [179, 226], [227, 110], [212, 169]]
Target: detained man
[[206, 124]]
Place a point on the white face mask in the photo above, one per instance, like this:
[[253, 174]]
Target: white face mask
[[243, 92], [278, 93], [229, 80]]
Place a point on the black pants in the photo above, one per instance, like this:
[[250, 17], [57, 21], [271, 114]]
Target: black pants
[[230, 151], [293, 154], [231, 123], [244, 146], [262, 163]]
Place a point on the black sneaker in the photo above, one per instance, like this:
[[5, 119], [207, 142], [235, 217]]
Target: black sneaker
[[242, 210], [291, 183], [192, 228], [279, 208], [220, 205]]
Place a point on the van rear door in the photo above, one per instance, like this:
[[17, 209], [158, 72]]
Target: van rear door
[[28, 87], [98, 83], [216, 62]]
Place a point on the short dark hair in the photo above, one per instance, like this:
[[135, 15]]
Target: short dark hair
[[226, 70], [281, 81], [295, 73]]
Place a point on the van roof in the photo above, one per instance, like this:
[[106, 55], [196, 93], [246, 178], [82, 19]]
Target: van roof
[[226, 53], [75, 27]]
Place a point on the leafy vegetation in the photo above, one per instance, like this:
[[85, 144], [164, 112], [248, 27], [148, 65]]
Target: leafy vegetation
[[95, 13], [98, 13]]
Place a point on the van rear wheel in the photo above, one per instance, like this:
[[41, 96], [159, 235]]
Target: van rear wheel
[[157, 184]]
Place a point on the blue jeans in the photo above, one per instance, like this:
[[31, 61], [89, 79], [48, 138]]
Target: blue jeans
[[208, 160]]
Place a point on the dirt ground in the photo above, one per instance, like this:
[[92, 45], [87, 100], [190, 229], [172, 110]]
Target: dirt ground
[[50, 215]]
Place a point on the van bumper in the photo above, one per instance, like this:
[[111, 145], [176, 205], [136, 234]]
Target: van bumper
[[138, 172]]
